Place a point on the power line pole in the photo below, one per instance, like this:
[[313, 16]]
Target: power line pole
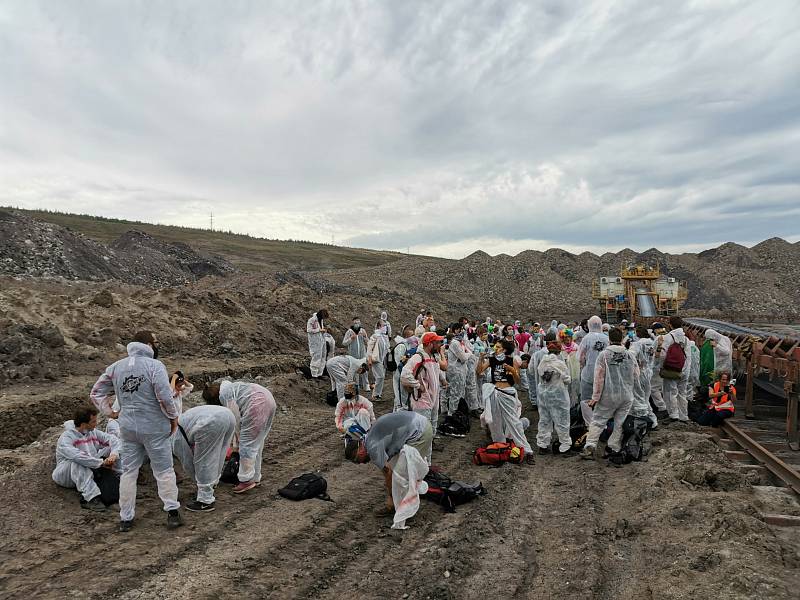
[[212, 221]]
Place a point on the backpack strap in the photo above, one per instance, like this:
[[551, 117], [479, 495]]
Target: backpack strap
[[186, 437]]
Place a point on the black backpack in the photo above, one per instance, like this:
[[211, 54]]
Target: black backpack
[[447, 493], [305, 487], [457, 424], [391, 363], [332, 398], [108, 483], [230, 472], [634, 443]]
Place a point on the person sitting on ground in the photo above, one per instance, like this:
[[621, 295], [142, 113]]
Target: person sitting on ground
[[181, 389], [353, 409], [254, 408], [722, 395], [503, 410], [385, 440], [615, 371], [344, 369], [81, 449], [203, 438], [553, 397]]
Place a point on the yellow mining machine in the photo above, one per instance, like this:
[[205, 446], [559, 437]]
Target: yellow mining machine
[[639, 294]]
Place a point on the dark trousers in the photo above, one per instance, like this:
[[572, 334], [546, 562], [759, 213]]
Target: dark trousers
[[714, 418]]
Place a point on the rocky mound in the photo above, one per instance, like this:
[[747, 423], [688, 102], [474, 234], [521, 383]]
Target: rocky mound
[[763, 280], [29, 247]]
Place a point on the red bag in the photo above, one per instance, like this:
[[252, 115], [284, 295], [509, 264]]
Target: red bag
[[673, 361], [498, 453]]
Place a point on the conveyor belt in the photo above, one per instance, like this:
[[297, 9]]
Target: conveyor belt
[[723, 327]]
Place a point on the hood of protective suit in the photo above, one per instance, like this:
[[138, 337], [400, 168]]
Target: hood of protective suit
[[384, 316], [139, 349], [69, 425], [713, 335], [595, 325], [552, 362]]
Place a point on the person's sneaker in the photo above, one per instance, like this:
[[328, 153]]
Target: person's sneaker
[[543, 450], [588, 453], [94, 504], [174, 519], [567, 452], [197, 506], [125, 526], [243, 486]]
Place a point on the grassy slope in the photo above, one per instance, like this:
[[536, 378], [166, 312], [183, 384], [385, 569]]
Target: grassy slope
[[247, 253]]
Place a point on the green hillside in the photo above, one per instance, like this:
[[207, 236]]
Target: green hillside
[[245, 252]]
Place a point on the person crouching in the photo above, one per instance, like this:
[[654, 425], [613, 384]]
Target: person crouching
[[354, 416]]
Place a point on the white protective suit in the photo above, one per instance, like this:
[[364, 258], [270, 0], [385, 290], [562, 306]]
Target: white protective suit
[[723, 357], [592, 344], [316, 345], [142, 388], [78, 453], [643, 352], [533, 375], [377, 349], [657, 382], [342, 370], [400, 393], [254, 408], [209, 430], [615, 372], [471, 388], [694, 368], [501, 414], [387, 326], [553, 396], [408, 482], [676, 390], [355, 411], [356, 344], [456, 374]]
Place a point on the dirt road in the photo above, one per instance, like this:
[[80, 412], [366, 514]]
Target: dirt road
[[684, 524]]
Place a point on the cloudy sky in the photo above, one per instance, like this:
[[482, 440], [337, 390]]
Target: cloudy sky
[[445, 127]]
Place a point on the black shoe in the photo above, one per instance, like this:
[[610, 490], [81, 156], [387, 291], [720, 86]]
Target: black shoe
[[475, 413], [94, 504], [197, 506], [529, 459], [125, 526], [174, 519], [544, 450]]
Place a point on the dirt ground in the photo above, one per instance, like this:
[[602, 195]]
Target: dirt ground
[[684, 524]]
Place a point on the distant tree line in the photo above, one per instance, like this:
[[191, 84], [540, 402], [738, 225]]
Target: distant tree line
[[203, 229]]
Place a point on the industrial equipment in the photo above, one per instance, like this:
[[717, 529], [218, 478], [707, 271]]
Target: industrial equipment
[[639, 294]]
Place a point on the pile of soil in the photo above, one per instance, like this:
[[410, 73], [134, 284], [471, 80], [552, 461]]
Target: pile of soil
[[33, 248]]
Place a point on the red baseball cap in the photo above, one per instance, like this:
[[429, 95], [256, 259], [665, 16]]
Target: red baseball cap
[[430, 337]]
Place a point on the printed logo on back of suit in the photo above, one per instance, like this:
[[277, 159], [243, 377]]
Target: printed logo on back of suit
[[132, 383]]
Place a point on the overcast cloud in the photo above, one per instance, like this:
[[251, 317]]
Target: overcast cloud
[[445, 127]]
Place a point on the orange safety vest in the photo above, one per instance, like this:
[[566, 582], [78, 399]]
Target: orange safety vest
[[723, 402]]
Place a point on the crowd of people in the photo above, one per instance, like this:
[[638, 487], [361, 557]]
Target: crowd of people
[[587, 377]]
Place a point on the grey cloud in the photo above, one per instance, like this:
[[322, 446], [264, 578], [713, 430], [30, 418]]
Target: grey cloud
[[389, 123]]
